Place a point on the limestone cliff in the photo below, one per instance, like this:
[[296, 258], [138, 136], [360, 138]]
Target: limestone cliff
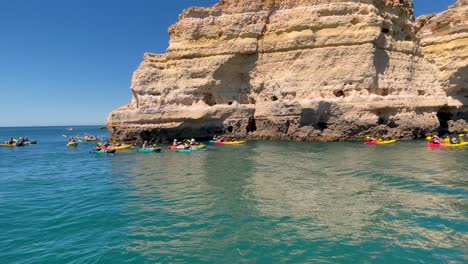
[[298, 69], [444, 39]]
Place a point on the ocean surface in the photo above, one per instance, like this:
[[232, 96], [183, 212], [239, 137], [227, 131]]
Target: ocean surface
[[265, 202]]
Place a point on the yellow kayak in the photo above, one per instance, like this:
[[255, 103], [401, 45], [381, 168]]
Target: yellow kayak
[[230, 143], [120, 147], [8, 145], [380, 142], [461, 144], [72, 144]]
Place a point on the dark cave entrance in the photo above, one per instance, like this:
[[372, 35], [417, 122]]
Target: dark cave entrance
[[444, 115], [251, 125]]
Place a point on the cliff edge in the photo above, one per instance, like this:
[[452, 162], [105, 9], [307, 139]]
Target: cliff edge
[[302, 70]]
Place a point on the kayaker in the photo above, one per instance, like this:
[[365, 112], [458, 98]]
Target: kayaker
[[98, 146], [373, 139], [72, 140], [193, 142], [435, 139], [187, 145], [175, 143], [11, 141], [145, 145], [454, 140], [106, 144]]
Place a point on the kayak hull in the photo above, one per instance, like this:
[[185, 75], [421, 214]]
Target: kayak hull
[[7, 145], [214, 141], [120, 147], [149, 150], [175, 147], [105, 151], [190, 150], [181, 147], [445, 145], [72, 144], [380, 142], [230, 143]]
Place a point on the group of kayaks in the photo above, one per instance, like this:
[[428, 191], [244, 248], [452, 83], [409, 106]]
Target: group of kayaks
[[442, 143], [199, 147], [446, 142], [181, 148], [18, 144]]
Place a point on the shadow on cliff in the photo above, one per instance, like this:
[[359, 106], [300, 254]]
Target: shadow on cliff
[[459, 83], [317, 118], [381, 64], [232, 81]]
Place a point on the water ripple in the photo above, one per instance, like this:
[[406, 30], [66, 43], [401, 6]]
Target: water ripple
[[264, 202]]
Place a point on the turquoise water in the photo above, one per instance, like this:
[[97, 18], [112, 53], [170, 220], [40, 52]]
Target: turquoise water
[[265, 202]]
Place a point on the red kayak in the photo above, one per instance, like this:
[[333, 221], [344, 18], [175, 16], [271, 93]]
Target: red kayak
[[434, 145], [175, 147]]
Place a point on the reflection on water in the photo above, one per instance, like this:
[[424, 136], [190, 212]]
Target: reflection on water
[[265, 202], [298, 201]]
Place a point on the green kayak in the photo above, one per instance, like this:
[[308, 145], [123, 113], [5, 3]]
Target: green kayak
[[149, 150], [105, 151], [190, 150]]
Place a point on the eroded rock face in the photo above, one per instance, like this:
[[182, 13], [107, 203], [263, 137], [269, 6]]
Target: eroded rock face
[[293, 69], [444, 39]]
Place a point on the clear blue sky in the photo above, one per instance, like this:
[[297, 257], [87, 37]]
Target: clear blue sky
[[71, 62]]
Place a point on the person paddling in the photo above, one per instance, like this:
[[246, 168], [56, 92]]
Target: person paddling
[[454, 141], [106, 145], [435, 139], [145, 145]]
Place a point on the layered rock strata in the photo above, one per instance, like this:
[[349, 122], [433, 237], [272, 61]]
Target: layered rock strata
[[444, 40], [301, 70]]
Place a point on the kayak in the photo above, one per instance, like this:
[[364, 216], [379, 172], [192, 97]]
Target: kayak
[[380, 142], [433, 145], [175, 147], [446, 145], [182, 147], [120, 147], [149, 150], [7, 145], [105, 151], [29, 143], [190, 150], [230, 143], [214, 141], [72, 144], [92, 139]]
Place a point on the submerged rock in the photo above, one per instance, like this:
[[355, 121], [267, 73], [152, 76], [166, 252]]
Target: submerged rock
[[301, 70]]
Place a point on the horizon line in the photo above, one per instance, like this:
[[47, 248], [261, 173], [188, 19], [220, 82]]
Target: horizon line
[[52, 126]]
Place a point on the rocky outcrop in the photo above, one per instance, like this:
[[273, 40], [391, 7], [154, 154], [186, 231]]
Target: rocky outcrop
[[297, 69], [444, 40]]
